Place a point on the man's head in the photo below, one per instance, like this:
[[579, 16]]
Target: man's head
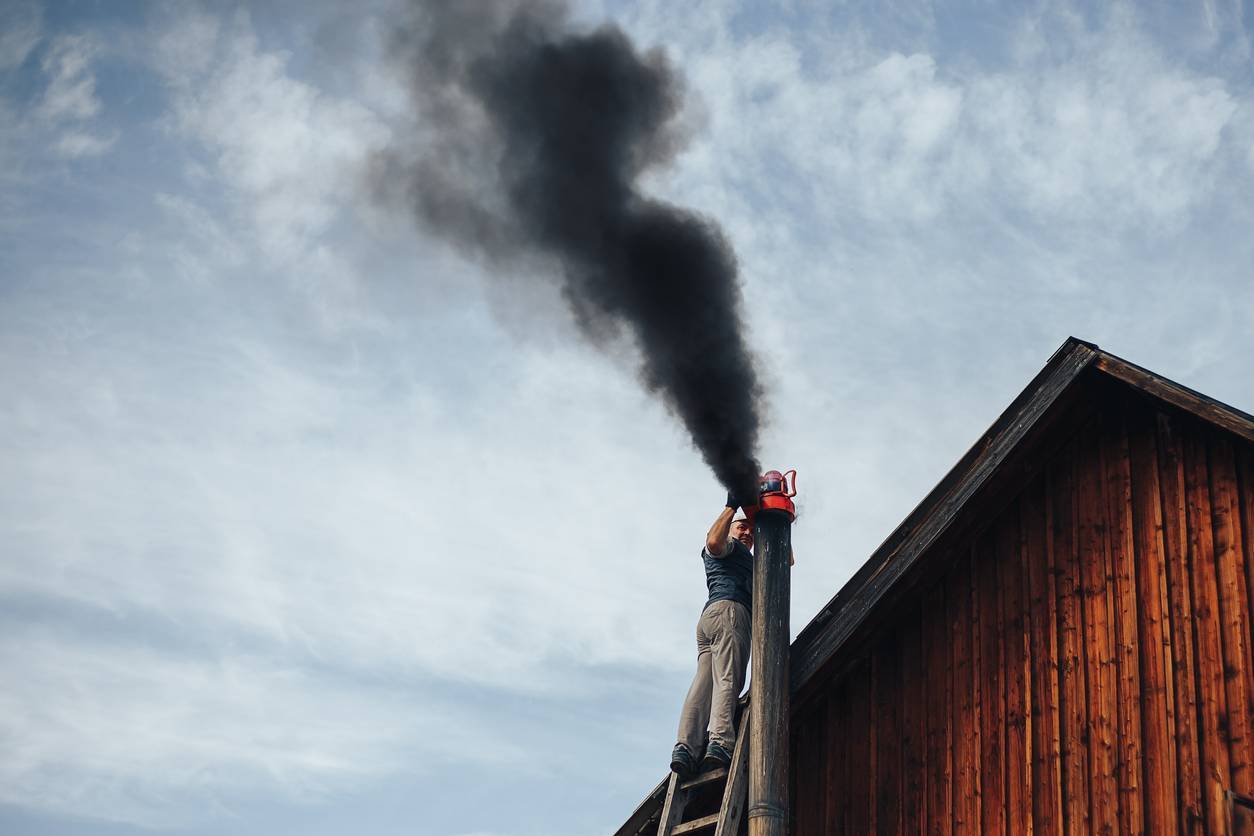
[[742, 530]]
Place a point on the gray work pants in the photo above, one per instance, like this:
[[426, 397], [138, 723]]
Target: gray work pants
[[722, 650]]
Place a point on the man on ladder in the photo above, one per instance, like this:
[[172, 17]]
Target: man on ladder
[[707, 721]]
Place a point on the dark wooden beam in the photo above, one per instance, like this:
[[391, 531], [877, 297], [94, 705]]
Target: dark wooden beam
[[769, 702]]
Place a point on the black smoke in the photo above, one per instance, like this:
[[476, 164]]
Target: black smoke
[[531, 138]]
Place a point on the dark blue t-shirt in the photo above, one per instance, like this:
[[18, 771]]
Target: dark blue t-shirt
[[730, 578]]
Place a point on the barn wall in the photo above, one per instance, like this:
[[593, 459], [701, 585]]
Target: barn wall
[[1082, 664]]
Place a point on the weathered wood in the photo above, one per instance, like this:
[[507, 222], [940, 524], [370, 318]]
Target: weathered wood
[[707, 777], [1123, 614], [861, 807], [1207, 631], [1038, 561], [1017, 662], [886, 707], [769, 705], [1219, 414], [1180, 595], [696, 824], [673, 809], [916, 700], [1245, 479], [1233, 612], [938, 687], [837, 621], [736, 790], [1099, 636], [987, 631], [839, 744], [1073, 703], [1157, 692], [966, 721], [1245, 468], [646, 810]]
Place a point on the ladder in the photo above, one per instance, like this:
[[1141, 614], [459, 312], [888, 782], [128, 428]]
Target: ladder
[[690, 805]]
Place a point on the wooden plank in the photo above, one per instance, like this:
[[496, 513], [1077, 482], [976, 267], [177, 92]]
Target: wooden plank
[[916, 702], [647, 809], [808, 773], [736, 790], [1117, 469], [1245, 478], [696, 824], [1099, 634], [1180, 596], [1212, 695], [861, 751], [1220, 414], [837, 621], [1073, 704], [886, 675], [836, 804], [965, 726], [1017, 661], [939, 689], [1157, 691], [1234, 616], [1038, 561], [986, 627], [673, 808]]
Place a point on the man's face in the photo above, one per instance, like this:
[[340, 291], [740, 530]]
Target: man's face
[[743, 532]]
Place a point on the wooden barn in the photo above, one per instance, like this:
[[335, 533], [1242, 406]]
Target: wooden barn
[[1057, 639]]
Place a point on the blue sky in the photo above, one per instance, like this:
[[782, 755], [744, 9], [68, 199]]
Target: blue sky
[[312, 526]]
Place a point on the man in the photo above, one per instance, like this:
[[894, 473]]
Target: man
[[722, 646]]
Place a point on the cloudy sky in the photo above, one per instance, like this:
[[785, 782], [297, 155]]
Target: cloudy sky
[[309, 525]]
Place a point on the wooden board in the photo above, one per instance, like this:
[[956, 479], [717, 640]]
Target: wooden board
[[1038, 561], [965, 724], [1017, 662], [1117, 470], [916, 701], [1180, 596], [1073, 701], [990, 699], [938, 685], [1157, 688], [1212, 695], [1099, 636], [1234, 617]]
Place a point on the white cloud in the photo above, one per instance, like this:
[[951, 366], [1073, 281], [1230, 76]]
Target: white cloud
[[132, 734], [76, 144], [290, 150], [20, 30], [71, 90]]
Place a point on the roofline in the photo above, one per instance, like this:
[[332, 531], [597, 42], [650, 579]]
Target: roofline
[[827, 632], [836, 622]]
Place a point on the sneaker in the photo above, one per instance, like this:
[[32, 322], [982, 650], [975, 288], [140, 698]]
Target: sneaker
[[682, 761], [715, 756]]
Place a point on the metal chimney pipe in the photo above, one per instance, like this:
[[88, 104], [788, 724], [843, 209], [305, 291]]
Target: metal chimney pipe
[[769, 699]]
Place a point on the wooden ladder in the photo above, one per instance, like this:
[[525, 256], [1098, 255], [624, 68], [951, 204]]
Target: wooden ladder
[[696, 794]]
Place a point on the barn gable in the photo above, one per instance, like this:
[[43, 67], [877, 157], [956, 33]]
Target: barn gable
[[1058, 636]]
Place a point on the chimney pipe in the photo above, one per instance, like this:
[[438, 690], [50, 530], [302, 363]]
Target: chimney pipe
[[769, 703]]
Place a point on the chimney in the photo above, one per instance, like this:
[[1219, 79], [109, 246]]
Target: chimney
[[769, 701]]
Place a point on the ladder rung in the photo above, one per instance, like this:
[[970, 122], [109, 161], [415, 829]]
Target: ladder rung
[[704, 778], [695, 824]]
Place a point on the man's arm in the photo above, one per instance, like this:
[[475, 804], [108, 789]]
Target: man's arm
[[716, 539]]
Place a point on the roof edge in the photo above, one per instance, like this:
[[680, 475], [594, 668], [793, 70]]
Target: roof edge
[[827, 631]]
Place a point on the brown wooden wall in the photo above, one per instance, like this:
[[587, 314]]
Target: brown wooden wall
[[1082, 663]]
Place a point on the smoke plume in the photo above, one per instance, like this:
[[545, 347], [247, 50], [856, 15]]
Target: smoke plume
[[532, 137]]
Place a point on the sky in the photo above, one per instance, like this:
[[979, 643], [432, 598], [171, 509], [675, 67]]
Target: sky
[[312, 525]]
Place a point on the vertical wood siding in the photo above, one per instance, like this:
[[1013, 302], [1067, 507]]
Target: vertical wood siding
[[1084, 664]]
